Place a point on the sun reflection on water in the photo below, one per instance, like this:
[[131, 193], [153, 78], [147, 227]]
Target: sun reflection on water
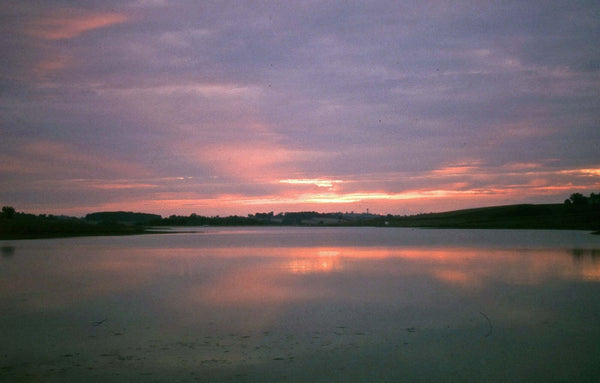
[[322, 261]]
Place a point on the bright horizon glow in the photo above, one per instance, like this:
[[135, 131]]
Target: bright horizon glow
[[298, 198], [317, 182], [330, 201]]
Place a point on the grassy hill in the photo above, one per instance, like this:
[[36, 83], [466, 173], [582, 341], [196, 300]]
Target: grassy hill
[[28, 226], [548, 216]]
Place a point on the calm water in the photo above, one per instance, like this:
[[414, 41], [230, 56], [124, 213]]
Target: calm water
[[303, 304]]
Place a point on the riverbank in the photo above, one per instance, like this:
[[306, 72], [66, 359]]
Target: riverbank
[[524, 216], [57, 228]]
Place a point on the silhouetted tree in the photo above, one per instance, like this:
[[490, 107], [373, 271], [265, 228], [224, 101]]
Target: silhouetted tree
[[578, 199], [8, 212]]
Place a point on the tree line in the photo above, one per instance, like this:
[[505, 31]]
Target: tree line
[[579, 199]]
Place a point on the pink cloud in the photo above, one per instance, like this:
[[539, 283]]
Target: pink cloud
[[70, 23], [255, 160]]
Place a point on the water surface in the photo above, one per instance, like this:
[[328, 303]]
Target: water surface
[[303, 304]]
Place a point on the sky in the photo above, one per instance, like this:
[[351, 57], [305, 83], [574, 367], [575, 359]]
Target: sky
[[237, 107]]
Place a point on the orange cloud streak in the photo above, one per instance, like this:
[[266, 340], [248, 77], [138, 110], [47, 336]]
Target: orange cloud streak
[[69, 23]]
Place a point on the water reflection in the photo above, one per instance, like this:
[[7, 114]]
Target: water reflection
[[588, 262], [69, 277], [277, 274], [248, 276], [323, 261], [7, 251], [188, 302], [579, 254]]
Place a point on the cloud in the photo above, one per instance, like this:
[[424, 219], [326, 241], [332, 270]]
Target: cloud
[[69, 23], [496, 101], [56, 160], [321, 183]]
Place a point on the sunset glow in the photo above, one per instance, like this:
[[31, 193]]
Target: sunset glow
[[221, 109], [317, 182]]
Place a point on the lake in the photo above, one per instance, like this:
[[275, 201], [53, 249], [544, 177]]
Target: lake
[[301, 304]]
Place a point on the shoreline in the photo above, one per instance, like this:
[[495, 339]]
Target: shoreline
[[15, 225], [148, 230]]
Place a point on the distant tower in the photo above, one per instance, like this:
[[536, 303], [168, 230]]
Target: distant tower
[[367, 211]]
